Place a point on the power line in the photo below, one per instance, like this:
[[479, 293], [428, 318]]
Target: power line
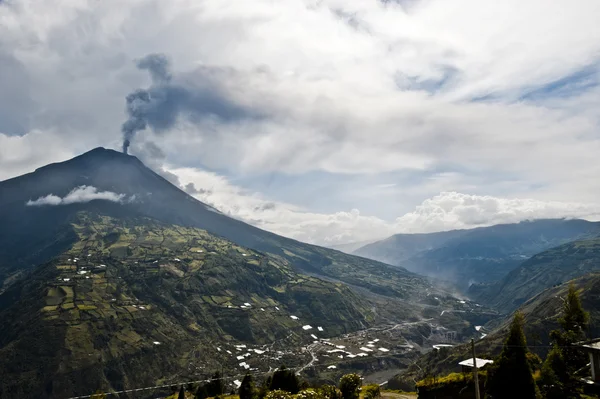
[[183, 383]]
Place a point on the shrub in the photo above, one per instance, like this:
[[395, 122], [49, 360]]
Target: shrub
[[329, 392], [372, 391], [278, 394], [350, 386]]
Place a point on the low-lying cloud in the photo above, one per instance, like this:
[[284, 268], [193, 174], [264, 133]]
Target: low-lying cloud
[[81, 194], [452, 210], [445, 211]]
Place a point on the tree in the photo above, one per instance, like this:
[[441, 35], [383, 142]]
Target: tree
[[511, 375], [181, 393], [201, 392], [246, 390], [215, 386], [285, 380], [553, 375], [559, 379], [574, 319], [350, 386]]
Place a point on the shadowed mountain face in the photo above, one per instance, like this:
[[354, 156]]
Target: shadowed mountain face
[[544, 270], [479, 255], [30, 235]]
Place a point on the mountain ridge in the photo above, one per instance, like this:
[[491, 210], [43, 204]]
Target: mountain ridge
[[542, 271], [478, 255]]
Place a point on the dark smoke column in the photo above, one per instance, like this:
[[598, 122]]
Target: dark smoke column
[[138, 103]]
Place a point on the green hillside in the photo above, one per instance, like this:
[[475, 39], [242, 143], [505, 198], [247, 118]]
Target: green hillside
[[136, 302]]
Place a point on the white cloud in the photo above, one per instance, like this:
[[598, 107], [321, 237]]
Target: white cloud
[[446, 211], [370, 89], [451, 210], [80, 194], [23, 154]]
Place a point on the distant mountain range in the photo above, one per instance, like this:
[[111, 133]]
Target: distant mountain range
[[479, 255]]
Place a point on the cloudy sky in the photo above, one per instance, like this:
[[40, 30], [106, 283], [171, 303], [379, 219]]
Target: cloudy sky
[[325, 120]]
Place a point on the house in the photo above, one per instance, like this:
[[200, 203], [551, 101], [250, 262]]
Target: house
[[467, 365], [593, 348]]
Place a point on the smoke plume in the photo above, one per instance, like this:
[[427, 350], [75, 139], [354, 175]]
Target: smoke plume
[[195, 96]]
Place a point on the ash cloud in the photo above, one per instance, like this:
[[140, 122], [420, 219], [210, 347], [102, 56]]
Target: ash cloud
[[81, 194], [195, 97]]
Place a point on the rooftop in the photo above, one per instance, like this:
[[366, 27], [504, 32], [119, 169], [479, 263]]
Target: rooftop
[[480, 362], [591, 345]]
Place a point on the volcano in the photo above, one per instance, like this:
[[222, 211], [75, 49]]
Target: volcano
[[112, 278], [30, 235]]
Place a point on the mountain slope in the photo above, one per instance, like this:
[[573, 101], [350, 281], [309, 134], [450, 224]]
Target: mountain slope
[[400, 247], [33, 234], [134, 301], [541, 316], [544, 270], [478, 255]]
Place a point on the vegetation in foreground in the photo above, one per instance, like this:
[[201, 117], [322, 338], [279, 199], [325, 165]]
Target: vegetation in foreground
[[516, 372], [282, 384]]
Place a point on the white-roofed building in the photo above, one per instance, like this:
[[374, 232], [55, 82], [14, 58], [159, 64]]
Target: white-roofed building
[[467, 365]]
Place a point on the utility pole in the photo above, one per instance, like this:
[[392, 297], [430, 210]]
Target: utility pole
[[222, 384], [475, 375]]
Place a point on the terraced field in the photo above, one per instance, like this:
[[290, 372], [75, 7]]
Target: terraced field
[[141, 298]]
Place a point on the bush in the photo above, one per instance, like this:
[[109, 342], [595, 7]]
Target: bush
[[278, 394], [372, 391], [329, 392], [350, 386], [306, 394], [454, 385]]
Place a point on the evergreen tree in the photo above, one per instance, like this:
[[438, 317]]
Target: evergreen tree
[[246, 390], [201, 392], [350, 386], [285, 380], [554, 372], [264, 388], [181, 393], [558, 379], [511, 375], [215, 387]]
